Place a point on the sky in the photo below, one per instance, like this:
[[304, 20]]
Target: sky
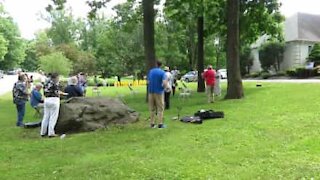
[[26, 13]]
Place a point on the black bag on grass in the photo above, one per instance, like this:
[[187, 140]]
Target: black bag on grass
[[209, 114], [191, 119]]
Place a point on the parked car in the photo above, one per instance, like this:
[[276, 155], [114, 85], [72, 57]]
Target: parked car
[[190, 76], [1, 74], [11, 72], [223, 73]]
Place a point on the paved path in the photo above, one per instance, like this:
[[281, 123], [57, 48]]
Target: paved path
[[6, 84]]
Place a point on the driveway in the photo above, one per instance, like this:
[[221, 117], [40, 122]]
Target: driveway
[[6, 84]]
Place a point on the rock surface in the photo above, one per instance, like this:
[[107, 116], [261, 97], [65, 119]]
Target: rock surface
[[88, 114]]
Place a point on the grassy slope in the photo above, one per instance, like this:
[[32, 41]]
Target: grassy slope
[[271, 134]]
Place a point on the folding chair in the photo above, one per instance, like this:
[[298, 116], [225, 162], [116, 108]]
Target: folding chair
[[185, 92], [132, 91], [96, 91], [38, 113]]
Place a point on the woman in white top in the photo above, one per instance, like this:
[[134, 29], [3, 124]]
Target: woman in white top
[[217, 86]]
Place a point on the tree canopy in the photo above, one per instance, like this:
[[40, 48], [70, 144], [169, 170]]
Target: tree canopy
[[188, 34], [12, 46]]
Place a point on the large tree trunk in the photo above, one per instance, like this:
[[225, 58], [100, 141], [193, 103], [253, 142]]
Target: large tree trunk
[[235, 88], [148, 27], [191, 46], [148, 22], [201, 87]]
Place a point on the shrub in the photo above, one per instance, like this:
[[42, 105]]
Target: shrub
[[271, 54], [291, 73], [255, 75], [265, 75], [315, 54], [280, 74], [304, 73], [90, 81], [55, 62]]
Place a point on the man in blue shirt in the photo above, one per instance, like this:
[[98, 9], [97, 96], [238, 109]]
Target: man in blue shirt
[[157, 82], [36, 97]]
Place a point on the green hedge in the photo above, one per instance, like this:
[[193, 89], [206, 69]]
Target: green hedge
[[302, 73]]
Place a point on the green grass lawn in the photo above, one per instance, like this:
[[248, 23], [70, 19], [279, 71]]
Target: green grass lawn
[[273, 133]]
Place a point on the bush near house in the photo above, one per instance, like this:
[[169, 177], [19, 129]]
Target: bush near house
[[302, 73], [314, 55], [291, 73], [265, 75], [271, 55]]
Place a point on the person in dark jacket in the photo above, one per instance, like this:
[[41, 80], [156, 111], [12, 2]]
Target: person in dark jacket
[[20, 97], [73, 89]]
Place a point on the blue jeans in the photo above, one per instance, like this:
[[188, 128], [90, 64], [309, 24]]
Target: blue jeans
[[21, 108]]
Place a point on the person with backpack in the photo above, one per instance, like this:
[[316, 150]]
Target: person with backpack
[[20, 97]]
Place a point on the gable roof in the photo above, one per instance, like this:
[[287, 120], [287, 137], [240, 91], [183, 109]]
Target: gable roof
[[302, 27]]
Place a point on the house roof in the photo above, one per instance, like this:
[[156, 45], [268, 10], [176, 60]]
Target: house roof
[[302, 27]]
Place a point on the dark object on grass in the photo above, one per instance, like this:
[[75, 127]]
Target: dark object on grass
[[191, 119], [82, 114], [32, 124], [209, 114], [258, 85]]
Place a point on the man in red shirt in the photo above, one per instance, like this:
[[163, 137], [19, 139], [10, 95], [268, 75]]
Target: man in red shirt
[[209, 76]]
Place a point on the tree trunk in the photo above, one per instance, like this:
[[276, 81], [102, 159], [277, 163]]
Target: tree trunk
[[217, 58], [191, 46], [148, 27], [201, 87], [235, 88]]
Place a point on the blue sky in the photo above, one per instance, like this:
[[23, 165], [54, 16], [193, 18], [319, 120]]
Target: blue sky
[[26, 13]]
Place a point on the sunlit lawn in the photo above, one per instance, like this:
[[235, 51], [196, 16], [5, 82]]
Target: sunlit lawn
[[273, 133]]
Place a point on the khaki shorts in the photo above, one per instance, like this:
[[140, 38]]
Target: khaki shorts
[[156, 102]]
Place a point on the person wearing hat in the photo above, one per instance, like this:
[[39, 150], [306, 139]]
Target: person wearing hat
[[167, 91], [209, 77], [73, 89]]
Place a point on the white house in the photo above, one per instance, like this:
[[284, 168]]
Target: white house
[[301, 32]]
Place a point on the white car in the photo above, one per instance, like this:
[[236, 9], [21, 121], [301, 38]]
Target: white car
[[190, 76], [223, 73]]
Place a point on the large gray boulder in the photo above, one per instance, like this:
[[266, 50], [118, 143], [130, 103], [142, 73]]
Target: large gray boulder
[[88, 114]]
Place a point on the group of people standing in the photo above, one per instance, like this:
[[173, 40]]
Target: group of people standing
[[50, 104], [162, 82]]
